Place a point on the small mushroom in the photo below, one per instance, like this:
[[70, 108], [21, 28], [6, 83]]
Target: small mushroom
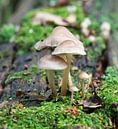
[[105, 26], [51, 63], [92, 39], [85, 32], [83, 76], [68, 48], [58, 35], [72, 88], [86, 23], [105, 30]]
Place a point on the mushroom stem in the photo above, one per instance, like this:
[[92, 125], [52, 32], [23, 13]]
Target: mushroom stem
[[66, 75], [82, 84], [70, 83], [72, 94], [50, 75], [64, 82]]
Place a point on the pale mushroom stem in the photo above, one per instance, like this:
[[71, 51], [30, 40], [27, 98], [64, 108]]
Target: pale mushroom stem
[[82, 84], [66, 76], [72, 95], [64, 82], [70, 83], [50, 75]]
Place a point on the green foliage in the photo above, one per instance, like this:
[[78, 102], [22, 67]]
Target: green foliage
[[109, 91], [6, 32], [79, 14], [94, 50], [24, 75], [52, 115], [30, 34]]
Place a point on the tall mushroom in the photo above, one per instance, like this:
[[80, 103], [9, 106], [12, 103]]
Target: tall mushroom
[[72, 88], [51, 63], [68, 48]]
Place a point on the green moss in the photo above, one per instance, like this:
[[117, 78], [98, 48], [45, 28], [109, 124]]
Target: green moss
[[30, 34], [52, 115], [109, 90], [6, 32], [24, 75]]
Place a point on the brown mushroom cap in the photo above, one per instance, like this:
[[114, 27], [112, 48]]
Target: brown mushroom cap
[[69, 47], [58, 35], [83, 75], [51, 62]]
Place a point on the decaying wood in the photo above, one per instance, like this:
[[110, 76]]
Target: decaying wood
[[113, 50]]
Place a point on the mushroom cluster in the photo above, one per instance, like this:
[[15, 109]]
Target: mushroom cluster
[[65, 45]]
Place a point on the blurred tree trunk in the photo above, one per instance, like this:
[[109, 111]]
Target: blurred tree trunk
[[5, 10], [22, 8]]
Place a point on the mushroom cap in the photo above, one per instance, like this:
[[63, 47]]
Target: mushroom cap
[[51, 62], [92, 38], [83, 75], [73, 89], [58, 35], [105, 26], [86, 23], [69, 47]]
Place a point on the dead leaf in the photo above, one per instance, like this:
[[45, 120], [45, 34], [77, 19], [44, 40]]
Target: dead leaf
[[20, 106], [72, 111]]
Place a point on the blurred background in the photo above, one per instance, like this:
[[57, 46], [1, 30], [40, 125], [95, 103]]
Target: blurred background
[[12, 11]]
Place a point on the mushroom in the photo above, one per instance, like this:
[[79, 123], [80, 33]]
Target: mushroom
[[85, 31], [105, 26], [68, 48], [92, 39], [84, 27], [43, 18], [51, 63], [58, 35], [105, 30], [72, 88], [83, 76], [86, 23]]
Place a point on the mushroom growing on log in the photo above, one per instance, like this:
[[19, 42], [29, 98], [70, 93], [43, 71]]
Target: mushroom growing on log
[[51, 63], [68, 48]]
